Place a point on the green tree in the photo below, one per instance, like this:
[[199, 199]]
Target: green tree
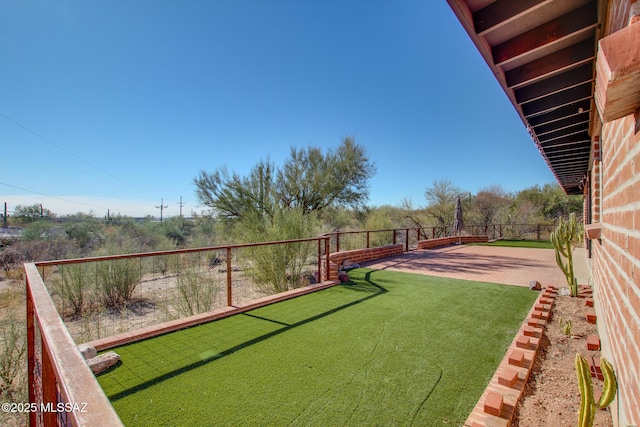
[[313, 181], [32, 213], [488, 204], [441, 202], [309, 180]]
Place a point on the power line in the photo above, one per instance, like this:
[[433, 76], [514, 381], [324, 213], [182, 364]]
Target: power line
[[55, 197], [69, 152]]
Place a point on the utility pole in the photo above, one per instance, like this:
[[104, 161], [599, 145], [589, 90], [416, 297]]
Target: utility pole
[[181, 205], [161, 207]]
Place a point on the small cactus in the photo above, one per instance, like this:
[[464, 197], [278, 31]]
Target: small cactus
[[566, 326], [588, 404], [563, 238]]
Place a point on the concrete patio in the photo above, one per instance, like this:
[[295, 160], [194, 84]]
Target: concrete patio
[[509, 266]]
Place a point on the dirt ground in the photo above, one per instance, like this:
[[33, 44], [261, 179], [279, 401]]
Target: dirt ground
[[552, 397]]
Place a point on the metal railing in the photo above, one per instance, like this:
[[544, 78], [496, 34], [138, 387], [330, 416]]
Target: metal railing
[[349, 240], [122, 289], [164, 286]]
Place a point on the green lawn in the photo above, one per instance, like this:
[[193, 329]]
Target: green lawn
[[388, 349], [542, 244]]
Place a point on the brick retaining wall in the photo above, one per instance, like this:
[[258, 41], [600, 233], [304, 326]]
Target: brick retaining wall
[[361, 255], [445, 241]]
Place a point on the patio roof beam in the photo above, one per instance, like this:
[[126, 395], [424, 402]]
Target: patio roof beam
[[501, 13], [582, 19], [560, 124], [560, 113], [576, 129], [566, 97], [554, 63], [563, 81]]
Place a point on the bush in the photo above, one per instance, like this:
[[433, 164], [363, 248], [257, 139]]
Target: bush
[[12, 351], [73, 286], [197, 289], [280, 267], [116, 280], [10, 258]]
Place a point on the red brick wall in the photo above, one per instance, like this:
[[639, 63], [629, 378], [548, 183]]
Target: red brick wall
[[616, 260], [361, 255], [445, 241]]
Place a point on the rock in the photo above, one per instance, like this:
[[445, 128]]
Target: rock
[[343, 278], [103, 361], [348, 264], [88, 352], [535, 285]]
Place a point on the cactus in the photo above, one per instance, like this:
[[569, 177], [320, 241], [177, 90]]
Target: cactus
[[566, 326], [563, 238], [587, 402]]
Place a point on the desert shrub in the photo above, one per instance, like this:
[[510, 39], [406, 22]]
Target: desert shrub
[[278, 267], [12, 351], [10, 258], [116, 280], [74, 285], [196, 288]]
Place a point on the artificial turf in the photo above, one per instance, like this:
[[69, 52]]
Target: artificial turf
[[388, 348], [536, 244]]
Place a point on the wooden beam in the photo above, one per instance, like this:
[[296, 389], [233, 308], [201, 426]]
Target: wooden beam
[[568, 139], [550, 103], [562, 132], [558, 125], [557, 29], [502, 12], [560, 82], [564, 59], [560, 113], [575, 149]]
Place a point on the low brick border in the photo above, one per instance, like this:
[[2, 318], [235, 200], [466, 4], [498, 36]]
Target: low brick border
[[451, 240], [198, 319], [361, 255], [497, 404]]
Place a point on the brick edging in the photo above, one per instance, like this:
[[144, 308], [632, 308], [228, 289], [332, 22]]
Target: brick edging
[[198, 319], [497, 404]]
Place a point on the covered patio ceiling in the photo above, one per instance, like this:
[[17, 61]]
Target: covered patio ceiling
[[542, 52]]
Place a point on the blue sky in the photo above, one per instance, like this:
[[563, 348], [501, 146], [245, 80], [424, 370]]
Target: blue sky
[[118, 104]]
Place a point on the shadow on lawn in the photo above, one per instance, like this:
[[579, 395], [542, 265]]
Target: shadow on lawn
[[370, 288]]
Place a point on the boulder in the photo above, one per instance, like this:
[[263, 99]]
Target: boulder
[[103, 361], [88, 352]]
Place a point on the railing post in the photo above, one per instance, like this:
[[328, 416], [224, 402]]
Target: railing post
[[31, 350], [229, 281], [49, 389], [538, 232], [338, 241], [368, 239], [319, 270], [395, 240], [406, 240], [326, 255]]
